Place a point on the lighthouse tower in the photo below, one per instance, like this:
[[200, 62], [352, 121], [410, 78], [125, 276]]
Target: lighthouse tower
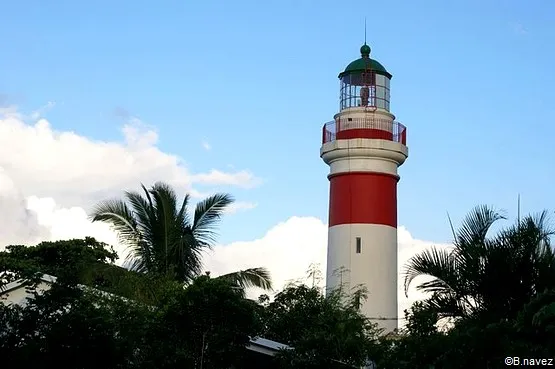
[[363, 147]]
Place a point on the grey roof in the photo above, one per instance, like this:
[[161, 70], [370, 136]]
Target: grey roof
[[20, 283], [265, 346]]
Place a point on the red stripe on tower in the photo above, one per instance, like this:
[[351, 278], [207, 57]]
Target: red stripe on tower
[[363, 198], [364, 133]]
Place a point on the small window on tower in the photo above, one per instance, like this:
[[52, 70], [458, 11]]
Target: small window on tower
[[358, 245]]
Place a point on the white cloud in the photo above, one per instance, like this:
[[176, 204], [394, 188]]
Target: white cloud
[[78, 171], [67, 223], [243, 178], [289, 249], [49, 179], [206, 146], [18, 224]]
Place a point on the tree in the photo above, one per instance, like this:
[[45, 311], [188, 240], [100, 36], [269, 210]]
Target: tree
[[82, 261], [487, 278], [212, 322], [205, 325], [64, 259], [471, 343], [419, 342], [70, 327], [325, 331], [498, 287], [164, 240], [534, 327]]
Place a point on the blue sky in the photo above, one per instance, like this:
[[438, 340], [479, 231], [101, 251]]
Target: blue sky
[[472, 81]]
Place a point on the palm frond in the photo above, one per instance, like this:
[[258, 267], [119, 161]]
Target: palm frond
[[165, 195], [188, 256], [123, 221], [140, 258], [165, 228], [117, 214], [470, 252], [435, 262], [182, 214], [253, 277], [446, 305], [476, 225], [541, 222], [143, 210], [207, 214], [145, 216]]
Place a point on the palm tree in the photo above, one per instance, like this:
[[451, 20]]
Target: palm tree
[[163, 239], [485, 277]]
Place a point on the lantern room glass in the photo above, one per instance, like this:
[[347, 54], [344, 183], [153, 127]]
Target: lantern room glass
[[364, 89]]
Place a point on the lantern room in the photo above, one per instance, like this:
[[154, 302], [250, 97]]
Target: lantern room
[[364, 83]]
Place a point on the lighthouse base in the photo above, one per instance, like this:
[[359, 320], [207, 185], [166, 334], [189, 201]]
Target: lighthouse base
[[366, 255]]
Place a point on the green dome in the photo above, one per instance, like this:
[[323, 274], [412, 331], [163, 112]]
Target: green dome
[[365, 63]]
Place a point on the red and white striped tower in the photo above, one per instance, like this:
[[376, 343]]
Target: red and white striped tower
[[364, 146]]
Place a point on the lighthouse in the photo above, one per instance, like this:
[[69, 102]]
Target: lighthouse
[[364, 146]]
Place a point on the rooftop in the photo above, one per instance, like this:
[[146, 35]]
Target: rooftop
[[365, 63]]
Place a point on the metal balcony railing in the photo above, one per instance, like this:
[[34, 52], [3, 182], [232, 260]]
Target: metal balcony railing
[[373, 128]]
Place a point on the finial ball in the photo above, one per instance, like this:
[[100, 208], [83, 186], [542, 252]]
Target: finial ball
[[365, 50]]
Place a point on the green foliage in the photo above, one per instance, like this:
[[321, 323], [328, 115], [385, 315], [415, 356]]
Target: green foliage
[[421, 320], [472, 343], [500, 288], [163, 239], [324, 330], [83, 261], [69, 260], [535, 325], [419, 342], [68, 326], [252, 277], [489, 278], [163, 324], [217, 319]]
